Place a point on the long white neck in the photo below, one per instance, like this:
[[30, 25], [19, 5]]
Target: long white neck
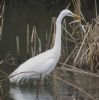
[[57, 44]]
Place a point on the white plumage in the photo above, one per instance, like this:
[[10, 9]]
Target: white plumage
[[44, 63]]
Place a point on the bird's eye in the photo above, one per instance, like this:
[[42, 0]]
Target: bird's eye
[[69, 13]]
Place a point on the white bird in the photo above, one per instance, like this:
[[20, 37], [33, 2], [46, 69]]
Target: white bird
[[44, 63]]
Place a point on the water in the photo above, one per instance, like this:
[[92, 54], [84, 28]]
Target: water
[[28, 94], [54, 89]]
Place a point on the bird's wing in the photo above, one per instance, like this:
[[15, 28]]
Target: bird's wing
[[47, 65], [38, 64], [34, 67], [41, 66]]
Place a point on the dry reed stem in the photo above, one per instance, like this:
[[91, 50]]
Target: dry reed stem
[[2, 16], [53, 31], [53, 25], [79, 70], [3, 72], [69, 56], [18, 46], [73, 39], [33, 32], [82, 44], [34, 40], [53, 40], [75, 21], [27, 39], [74, 3], [18, 49], [66, 41], [1, 88], [77, 8], [80, 89], [1, 62], [96, 8], [82, 16], [82, 29], [1, 28], [81, 58], [69, 5], [40, 45]]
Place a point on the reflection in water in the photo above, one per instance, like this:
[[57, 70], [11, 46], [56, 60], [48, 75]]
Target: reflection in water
[[23, 94]]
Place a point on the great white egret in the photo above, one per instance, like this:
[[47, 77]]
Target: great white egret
[[44, 63]]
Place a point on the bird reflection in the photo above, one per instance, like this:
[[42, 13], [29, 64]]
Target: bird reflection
[[22, 94]]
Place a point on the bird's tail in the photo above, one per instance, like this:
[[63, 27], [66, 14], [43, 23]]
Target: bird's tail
[[12, 77]]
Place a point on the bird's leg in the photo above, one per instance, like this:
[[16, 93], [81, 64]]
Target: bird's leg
[[37, 90], [41, 82], [39, 85]]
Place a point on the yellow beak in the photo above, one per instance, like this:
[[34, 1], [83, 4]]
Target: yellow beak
[[78, 17]]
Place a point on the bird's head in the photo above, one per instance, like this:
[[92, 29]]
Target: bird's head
[[67, 12], [64, 13]]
